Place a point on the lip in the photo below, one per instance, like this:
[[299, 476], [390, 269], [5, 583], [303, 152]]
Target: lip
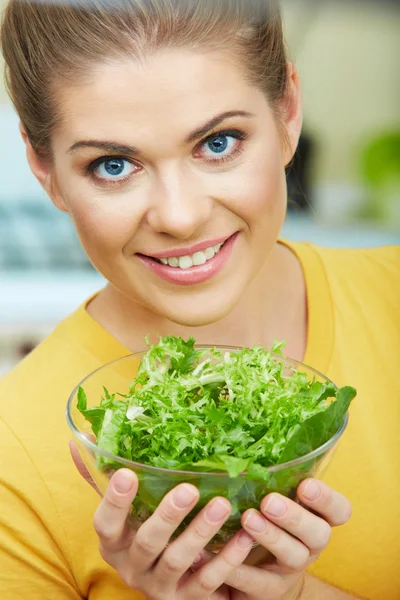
[[177, 252], [194, 275]]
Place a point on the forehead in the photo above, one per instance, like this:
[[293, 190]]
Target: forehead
[[171, 90]]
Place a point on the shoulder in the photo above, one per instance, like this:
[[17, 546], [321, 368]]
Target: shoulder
[[33, 400], [370, 275], [381, 261], [49, 366], [34, 395], [353, 295]]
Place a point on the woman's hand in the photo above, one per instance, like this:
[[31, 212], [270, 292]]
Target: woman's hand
[[293, 535], [143, 559]]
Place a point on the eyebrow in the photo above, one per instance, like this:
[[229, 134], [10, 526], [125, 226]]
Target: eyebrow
[[107, 146], [131, 150], [213, 123]]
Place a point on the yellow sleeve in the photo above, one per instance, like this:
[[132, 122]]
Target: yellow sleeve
[[33, 564]]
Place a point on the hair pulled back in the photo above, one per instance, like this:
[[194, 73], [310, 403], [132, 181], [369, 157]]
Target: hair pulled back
[[46, 43]]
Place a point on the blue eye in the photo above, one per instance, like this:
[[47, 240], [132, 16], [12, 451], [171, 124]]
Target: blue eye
[[218, 144], [113, 168], [222, 145]]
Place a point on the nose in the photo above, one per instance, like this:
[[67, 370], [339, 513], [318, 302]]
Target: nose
[[177, 205]]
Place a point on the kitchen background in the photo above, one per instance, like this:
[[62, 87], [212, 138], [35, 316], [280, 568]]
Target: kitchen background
[[344, 186]]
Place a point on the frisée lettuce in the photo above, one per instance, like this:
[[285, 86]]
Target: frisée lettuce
[[197, 409]]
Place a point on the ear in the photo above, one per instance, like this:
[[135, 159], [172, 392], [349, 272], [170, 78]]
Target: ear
[[42, 171], [292, 114]]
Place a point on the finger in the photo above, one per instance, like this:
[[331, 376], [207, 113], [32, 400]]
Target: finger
[[260, 583], [213, 574], [201, 559], [287, 550], [80, 465], [328, 503], [181, 553], [310, 529], [258, 556], [110, 517], [155, 533]]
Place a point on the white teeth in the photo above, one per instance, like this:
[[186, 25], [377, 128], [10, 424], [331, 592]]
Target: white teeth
[[209, 253], [197, 259], [185, 262]]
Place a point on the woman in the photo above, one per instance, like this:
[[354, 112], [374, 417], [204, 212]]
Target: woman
[[163, 128]]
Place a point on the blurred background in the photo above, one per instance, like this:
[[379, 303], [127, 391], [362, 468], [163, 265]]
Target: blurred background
[[344, 185]]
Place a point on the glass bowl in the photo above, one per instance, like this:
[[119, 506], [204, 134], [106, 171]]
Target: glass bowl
[[155, 482]]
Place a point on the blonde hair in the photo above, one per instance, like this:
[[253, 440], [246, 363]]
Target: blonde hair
[[48, 42]]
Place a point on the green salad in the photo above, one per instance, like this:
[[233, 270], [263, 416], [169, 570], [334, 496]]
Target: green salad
[[205, 410]]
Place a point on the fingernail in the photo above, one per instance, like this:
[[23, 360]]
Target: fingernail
[[123, 482], [244, 540], [275, 507], [312, 490], [217, 511], [255, 522], [197, 560], [183, 496]]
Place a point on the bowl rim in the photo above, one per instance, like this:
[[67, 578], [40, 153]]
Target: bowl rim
[[132, 464]]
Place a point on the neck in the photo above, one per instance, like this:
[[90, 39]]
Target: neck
[[273, 307]]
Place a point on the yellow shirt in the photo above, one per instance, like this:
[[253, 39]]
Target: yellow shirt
[[48, 549]]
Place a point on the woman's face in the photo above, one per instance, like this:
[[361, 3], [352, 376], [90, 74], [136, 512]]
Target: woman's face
[[164, 162]]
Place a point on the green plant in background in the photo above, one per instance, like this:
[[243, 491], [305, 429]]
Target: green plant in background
[[380, 170]]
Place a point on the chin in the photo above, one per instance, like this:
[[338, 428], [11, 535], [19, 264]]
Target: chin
[[196, 313]]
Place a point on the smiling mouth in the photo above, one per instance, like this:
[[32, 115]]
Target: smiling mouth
[[188, 261], [195, 268]]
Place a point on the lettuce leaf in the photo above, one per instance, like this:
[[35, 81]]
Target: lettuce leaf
[[94, 415], [234, 466], [318, 429], [110, 433], [207, 409]]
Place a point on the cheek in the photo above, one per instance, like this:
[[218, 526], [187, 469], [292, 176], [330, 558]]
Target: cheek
[[104, 226], [268, 192], [260, 193], [105, 219]]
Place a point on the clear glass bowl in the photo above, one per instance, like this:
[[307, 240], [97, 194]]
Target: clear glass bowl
[[154, 482]]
